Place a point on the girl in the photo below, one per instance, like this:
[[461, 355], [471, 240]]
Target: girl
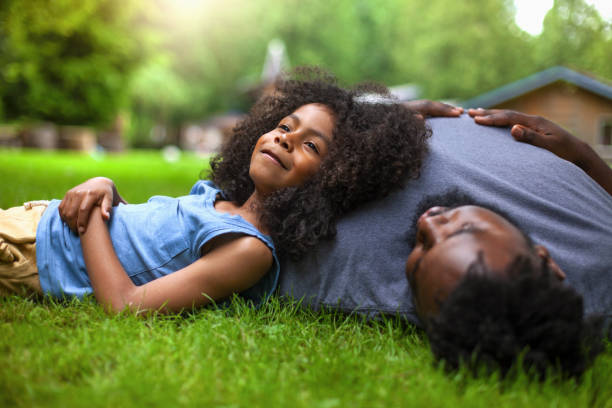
[[301, 158]]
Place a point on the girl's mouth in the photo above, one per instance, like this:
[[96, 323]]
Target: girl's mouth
[[274, 158]]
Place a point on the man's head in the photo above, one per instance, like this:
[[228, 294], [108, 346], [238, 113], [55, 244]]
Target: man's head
[[453, 233], [486, 293]]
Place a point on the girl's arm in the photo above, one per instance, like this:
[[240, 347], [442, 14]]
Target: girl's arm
[[229, 268]]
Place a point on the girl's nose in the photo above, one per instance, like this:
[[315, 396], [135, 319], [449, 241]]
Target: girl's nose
[[284, 141]]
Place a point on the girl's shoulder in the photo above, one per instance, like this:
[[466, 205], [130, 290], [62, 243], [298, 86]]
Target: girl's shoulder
[[206, 187]]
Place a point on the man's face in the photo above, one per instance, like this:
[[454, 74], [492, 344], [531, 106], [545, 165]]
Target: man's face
[[448, 241]]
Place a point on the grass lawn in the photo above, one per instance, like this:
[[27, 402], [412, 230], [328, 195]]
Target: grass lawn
[[72, 354]]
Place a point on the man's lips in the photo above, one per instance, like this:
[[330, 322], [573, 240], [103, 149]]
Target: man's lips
[[274, 157]]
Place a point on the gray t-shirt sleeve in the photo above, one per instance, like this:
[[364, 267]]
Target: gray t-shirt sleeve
[[562, 208]]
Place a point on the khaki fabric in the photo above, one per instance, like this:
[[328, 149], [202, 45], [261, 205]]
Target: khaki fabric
[[18, 271]]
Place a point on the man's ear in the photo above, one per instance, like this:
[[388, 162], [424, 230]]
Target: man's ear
[[542, 252]]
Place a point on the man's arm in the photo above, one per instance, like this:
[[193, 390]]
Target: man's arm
[[229, 268], [543, 133]]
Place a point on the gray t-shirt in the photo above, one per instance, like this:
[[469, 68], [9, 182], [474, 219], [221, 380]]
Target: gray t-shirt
[[557, 204]]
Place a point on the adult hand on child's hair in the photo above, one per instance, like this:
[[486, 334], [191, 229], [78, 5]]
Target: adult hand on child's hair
[[429, 108], [534, 130], [77, 204]]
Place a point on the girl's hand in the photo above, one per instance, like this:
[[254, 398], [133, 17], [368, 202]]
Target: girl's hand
[[429, 108], [534, 130], [543, 133], [79, 201]]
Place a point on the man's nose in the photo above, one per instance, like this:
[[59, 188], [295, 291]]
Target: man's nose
[[432, 224], [434, 211]]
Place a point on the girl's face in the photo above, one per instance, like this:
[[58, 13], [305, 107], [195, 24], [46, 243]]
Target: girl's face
[[291, 153]]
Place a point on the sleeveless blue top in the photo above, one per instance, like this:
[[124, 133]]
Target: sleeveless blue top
[[151, 240]]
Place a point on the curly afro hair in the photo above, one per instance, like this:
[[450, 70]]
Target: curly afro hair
[[375, 148], [491, 321]]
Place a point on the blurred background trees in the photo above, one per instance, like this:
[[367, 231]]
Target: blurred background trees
[[66, 61], [575, 35], [162, 63]]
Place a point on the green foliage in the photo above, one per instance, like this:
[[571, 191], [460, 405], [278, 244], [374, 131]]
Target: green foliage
[[575, 35], [352, 38], [452, 50], [173, 61], [66, 61], [459, 49]]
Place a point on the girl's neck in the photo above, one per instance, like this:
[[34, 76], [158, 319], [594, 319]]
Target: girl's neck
[[248, 210]]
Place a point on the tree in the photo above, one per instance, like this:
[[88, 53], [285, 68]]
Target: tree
[[459, 49], [67, 61], [574, 34]]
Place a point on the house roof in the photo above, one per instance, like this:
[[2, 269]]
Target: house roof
[[539, 80]]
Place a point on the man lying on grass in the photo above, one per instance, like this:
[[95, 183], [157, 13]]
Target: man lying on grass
[[561, 204], [484, 291]]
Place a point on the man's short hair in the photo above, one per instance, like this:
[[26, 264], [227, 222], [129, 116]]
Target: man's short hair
[[490, 320]]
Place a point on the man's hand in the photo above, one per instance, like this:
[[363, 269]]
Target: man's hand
[[543, 133], [79, 201], [534, 130], [429, 108]]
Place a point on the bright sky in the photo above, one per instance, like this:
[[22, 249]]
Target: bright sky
[[530, 13]]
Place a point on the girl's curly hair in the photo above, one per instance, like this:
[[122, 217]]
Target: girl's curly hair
[[376, 146]]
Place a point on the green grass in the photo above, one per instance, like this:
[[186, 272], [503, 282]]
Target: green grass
[[72, 354], [35, 175]]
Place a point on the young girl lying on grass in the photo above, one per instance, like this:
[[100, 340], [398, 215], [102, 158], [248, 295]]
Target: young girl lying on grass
[[298, 161]]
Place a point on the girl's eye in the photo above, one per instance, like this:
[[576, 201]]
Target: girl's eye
[[284, 127], [312, 146]]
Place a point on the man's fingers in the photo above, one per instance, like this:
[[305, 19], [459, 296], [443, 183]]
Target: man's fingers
[[453, 111], [491, 117], [527, 135], [433, 108], [479, 112], [494, 119], [501, 117], [443, 109]]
